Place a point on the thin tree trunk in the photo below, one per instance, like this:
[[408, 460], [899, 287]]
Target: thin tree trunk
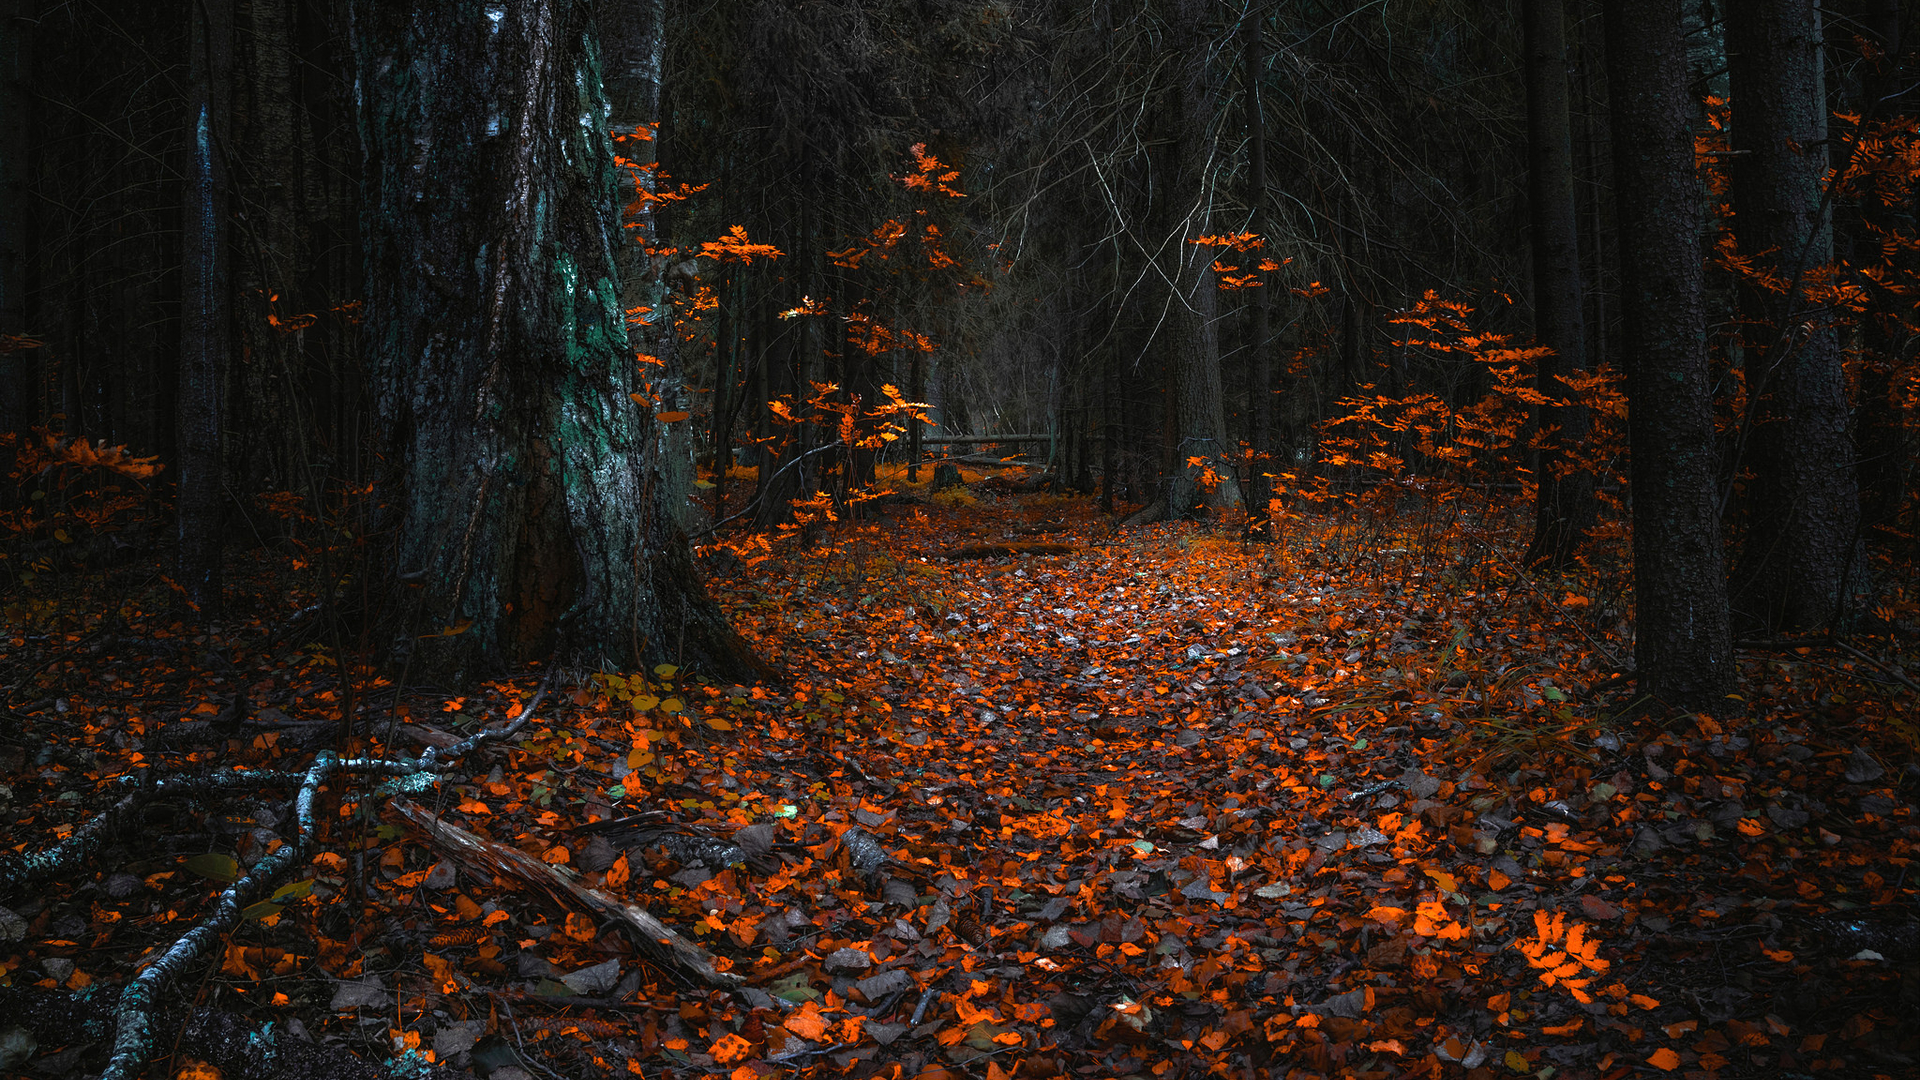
[[525, 502], [1202, 470], [1564, 509], [205, 311], [917, 388], [271, 257], [1262, 367], [18, 365], [1682, 646], [1885, 445], [1803, 511], [721, 435], [633, 48]]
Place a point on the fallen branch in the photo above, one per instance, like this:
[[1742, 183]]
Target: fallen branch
[[133, 1042], [72, 854], [649, 934]]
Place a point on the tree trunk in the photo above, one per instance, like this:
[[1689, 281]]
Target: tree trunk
[[1884, 443], [1564, 510], [271, 260], [1802, 506], [1682, 646], [1203, 456], [205, 304], [633, 46], [1261, 370], [18, 365], [524, 504]]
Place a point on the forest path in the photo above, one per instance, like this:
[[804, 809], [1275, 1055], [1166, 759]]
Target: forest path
[[1317, 801], [1145, 803]]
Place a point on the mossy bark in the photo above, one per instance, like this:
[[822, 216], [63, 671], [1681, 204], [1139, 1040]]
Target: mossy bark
[[523, 494]]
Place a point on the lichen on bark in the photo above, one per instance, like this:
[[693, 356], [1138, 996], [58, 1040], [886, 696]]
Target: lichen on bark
[[524, 511]]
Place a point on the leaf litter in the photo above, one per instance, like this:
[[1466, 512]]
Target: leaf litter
[[1156, 804]]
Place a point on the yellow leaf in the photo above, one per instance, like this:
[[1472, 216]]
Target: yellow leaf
[[719, 724]]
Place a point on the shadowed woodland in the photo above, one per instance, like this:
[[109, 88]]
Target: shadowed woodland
[[924, 539]]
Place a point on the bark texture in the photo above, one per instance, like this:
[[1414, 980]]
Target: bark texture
[[1682, 646], [1802, 504], [527, 511], [1565, 508], [16, 63], [205, 304], [633, 36], [1260, 371], [1192, 327]]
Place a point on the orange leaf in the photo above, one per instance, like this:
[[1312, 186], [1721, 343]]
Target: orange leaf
[[807, 1023], [557, 855], [730, 1049], [1497, 880], [1664, 1059], [619, 873]]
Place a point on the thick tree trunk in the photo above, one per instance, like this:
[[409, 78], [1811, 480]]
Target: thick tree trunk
[[1802, 507], [1564, 509], [524, 507], [1203, 471], [205, 304], [1682, 646]]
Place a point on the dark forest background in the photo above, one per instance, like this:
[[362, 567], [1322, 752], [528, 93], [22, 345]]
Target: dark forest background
[[1207, 259]]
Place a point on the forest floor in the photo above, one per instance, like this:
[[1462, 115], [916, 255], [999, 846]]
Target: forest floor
[[1364, 801]]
